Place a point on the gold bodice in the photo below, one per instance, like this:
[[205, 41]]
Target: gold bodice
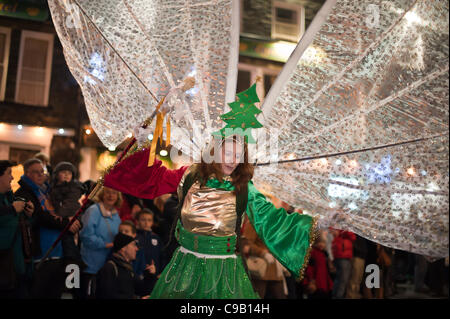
[[208, 211]]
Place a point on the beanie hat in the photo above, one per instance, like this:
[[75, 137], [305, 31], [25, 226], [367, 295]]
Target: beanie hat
[[121, 240], [4, 164], [65, 166]]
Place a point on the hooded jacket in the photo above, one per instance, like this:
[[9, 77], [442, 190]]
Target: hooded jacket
[[65, 196], [343, 245]]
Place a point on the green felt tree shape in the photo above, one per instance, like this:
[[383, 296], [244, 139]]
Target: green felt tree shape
[[241, 118]]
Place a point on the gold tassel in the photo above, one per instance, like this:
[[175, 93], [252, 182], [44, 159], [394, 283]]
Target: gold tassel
[[168, 131], [156, 134]]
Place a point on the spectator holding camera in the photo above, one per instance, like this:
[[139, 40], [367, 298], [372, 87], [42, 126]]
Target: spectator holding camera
[[49, 279], [15, 216]]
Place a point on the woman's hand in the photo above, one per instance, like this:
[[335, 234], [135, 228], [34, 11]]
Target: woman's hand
[[269, 258], [75, 227]]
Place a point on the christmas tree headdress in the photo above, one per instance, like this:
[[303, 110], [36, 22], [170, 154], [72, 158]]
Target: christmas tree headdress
[[241, 119]]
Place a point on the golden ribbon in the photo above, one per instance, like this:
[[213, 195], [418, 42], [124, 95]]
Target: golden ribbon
[[158, 134]]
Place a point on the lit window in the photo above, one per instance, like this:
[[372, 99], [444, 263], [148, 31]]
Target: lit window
[[5, 39], [288, 21], [34, 71]]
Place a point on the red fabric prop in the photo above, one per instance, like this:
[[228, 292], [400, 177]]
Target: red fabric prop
[[133, 176]]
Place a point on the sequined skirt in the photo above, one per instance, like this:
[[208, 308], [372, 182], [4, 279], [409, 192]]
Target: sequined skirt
[[204, 267]]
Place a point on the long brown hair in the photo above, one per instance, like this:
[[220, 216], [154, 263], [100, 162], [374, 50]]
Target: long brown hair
[[240, 177]]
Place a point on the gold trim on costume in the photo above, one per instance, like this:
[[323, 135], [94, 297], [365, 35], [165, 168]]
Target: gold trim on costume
[[312, 238]]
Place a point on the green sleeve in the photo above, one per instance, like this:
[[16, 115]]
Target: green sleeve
[[289, 237]]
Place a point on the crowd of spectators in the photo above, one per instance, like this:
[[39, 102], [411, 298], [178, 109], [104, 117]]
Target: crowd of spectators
[[121, 244]]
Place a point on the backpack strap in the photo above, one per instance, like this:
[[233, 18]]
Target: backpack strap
[[116, 271]]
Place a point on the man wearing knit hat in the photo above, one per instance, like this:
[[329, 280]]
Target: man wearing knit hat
[[116, 279]]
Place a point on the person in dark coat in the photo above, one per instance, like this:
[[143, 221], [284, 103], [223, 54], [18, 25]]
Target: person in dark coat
[[15, 219], [169, 213], [358, 268], [65, 195], [49, 279], [116, 278], [147, 265]]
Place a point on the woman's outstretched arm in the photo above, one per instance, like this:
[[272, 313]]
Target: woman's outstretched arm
[[289, 237], [133, 176]]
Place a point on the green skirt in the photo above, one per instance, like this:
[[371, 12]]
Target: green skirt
[[188, 276]]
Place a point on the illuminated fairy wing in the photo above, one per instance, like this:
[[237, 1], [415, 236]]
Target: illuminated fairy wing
[[127, 54], [365, 97]]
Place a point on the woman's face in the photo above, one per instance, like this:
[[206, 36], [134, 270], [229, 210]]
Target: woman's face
[[110, 196], [232, 153]]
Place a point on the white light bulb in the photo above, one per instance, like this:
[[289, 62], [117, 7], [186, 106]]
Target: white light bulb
[[61, 131], [19, 127], [163, 153], [353, 163]]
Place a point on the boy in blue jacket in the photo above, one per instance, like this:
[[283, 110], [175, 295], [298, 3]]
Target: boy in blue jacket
[[147, 265]]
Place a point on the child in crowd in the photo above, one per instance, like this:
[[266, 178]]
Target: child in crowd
[[127, 227], [317, 282], [147, 265], [342, 248], [65, 193]]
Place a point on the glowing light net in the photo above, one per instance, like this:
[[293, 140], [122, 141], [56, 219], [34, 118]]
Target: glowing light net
[[127, 55], [373, 76], [372, 84]]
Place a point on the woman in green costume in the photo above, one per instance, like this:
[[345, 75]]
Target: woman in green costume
[[213, 196]]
